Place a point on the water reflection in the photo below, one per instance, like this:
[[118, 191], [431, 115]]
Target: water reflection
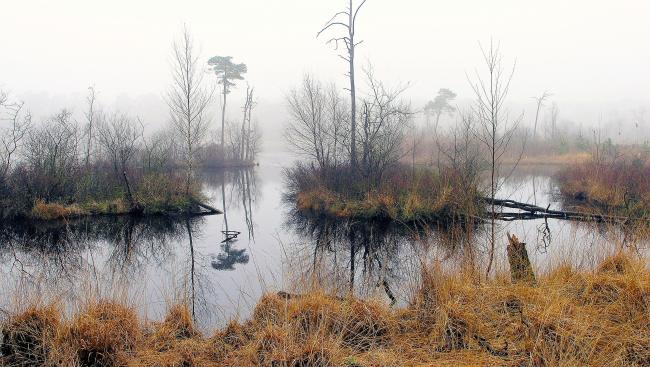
[[58, 248], [229, 257], [364, 257], [157, 259]]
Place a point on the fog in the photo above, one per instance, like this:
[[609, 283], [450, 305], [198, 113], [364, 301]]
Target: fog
[[591, 55]]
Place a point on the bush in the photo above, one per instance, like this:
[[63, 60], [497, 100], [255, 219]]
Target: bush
[[402, 195], [622, 187]]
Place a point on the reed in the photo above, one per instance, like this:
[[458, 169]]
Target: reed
[[569, 317]]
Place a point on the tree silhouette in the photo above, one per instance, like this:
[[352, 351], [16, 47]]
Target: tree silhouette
[[347, 19], [227, 73], [229, 257], [440, 105]]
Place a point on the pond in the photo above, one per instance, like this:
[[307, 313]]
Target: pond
[[155, 262]]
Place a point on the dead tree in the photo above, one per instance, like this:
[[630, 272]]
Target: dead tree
[[119, 137], [385, 116], [348, 19], [307, 131], [495, 128], [188, 100], [90, 115], [540, 102], [246, 132], [520, 268]]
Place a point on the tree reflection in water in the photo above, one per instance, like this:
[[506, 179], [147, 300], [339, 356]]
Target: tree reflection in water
[[239, 190], [228, 257], [366, 257]]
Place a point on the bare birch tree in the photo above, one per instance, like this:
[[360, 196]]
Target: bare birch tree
[[188, 99], [347, 19], [495, 127]]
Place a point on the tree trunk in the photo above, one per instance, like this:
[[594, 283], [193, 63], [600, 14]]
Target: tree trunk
[[520, 268], [223, 121], [353, 95]]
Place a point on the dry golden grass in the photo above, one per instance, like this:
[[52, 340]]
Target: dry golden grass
[[550, 159], [49, 211], [622, 187], [570, 318]]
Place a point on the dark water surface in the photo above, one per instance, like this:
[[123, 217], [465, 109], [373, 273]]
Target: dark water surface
[[155, 262]]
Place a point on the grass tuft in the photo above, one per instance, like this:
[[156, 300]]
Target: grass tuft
[[570, 317]]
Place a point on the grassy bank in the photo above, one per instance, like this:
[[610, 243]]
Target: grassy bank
[[568, 318], [621, 188], [402, 194], [153, 194]]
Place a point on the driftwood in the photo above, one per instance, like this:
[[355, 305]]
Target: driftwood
[[208, 208], [520, 268], [230, 235], [530, 211]]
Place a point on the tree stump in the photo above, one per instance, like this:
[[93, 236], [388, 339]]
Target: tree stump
[[520, 268]]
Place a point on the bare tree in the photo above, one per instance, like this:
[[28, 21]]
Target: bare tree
[[90, 115], [347, 19], [307, 132], [540, 103], [11, 137], [496, 129], [158, 150], [337, 117], [51, 152], [462, 150], [188, 100], [246, 132], [119, 137], [384, 119], [552, 121]]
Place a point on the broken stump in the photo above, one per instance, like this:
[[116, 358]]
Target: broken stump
[[520, 268]]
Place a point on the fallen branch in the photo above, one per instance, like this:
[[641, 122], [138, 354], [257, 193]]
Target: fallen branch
[[210, 209], [531, 211]]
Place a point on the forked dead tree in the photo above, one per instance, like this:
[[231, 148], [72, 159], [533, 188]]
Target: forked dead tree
[[347, 19], [540, 103]]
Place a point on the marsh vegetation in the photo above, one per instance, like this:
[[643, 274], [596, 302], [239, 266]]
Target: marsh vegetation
[[450, 230]]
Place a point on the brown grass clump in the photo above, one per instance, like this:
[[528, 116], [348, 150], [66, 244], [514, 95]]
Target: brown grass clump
[[28, 337], [569, 317], [50, 211], [102, 334], [621, 187]]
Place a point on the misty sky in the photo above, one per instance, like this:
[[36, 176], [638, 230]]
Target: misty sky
[[586, 52]]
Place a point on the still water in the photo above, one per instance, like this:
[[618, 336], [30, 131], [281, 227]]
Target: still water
[[155, 262]]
